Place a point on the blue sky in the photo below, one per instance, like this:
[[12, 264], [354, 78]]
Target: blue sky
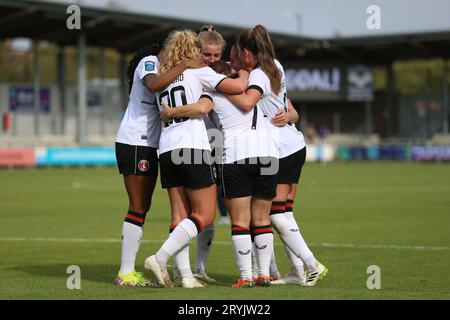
[[314, 18]]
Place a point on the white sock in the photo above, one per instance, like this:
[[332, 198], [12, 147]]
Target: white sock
[[242, 246], [297, 266], [282, 224], [204, 241], [175, 266], [131, 240], [273, 264], [185, 231], [305, 254], [264, 250], [287, 233], [254, 261], [182, 262]]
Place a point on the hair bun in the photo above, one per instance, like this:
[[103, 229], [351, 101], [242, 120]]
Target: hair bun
[[207, 27]]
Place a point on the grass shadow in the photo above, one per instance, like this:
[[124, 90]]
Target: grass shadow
[[102, 273], [222, 280], [97, 273]]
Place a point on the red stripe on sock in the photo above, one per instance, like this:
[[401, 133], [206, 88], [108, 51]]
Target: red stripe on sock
[[129, 216], [237, 228], [264, 230], [289, 205], [277, 208]]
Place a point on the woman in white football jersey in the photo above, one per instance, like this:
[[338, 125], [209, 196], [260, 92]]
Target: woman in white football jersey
[[136, 144], [212, 46], [267, 89], [186, 169], [248, 174], [212, 43]]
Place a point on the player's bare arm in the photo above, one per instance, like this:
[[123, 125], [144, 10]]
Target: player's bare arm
[[198, 109], [292, 114], [157, 83], [282, 118], [247, 100], [234, 86]]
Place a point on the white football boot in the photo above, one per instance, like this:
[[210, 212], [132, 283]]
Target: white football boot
[[160, 272], [314, 276]]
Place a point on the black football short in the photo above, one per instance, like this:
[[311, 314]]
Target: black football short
[[189, 168], [136, 160], [291, 167], [255, 177]]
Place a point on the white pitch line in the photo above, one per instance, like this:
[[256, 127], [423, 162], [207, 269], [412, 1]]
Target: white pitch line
[[324, 244], [378, 246]]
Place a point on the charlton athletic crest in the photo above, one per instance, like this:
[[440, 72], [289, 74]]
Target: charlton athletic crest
[[143, 165]]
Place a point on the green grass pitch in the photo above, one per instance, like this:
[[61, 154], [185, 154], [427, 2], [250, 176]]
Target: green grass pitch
[[354, 215]]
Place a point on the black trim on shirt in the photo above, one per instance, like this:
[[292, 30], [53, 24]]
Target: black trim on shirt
[[255, 117], [206, 96], [220, 82], [254, 86]]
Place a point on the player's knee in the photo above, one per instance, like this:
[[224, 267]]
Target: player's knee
[[261, 221], [240, 221], [282, 194], [206, 215], [178, 216], [206, 220], [175, 221]]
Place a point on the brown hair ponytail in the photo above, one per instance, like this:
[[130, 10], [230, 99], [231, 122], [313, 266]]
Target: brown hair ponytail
[[257, 40]]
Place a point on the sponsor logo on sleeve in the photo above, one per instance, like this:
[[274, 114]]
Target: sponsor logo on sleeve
[[149, 66]]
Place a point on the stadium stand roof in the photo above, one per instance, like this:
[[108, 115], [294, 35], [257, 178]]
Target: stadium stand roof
[[123, 31], [386, 48], [126, 32]]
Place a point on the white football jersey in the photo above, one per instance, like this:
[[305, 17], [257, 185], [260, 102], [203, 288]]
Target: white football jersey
[[189, 132], [140, 125], [245, 134], [291, 140]]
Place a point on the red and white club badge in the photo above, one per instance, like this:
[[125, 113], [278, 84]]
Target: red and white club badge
[[143, 165]]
